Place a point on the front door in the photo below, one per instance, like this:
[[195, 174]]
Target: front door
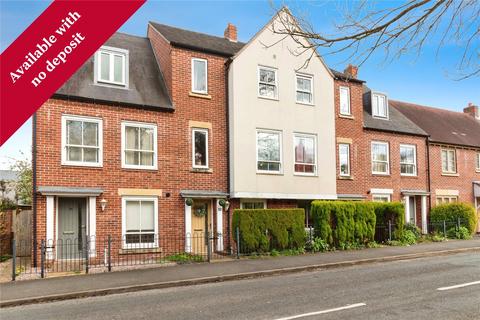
[[413, 210], [71, 227], [200, 219]]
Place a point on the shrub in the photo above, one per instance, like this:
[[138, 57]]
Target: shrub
[[461, 233], [454, 211], [390, 211], [262, 230], [317, 245], [344, 224], [413, 228], [408, 237]]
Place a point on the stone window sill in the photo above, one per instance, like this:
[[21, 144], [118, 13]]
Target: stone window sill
[[450, 174], [199, 95], [200, 170], [345, 177], [343, 116]]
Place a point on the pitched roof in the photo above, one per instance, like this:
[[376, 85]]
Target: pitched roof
[[396, 121], [146, 86], [443, 126], [198, 41]]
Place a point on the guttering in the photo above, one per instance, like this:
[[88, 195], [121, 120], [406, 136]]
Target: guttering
[[227, 99], [34, 187]]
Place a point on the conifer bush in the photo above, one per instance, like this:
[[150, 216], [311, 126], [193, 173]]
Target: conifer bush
[[452, 212], [342, 223], [263, 230]]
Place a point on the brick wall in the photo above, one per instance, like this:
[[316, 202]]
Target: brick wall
[[462, 181], [174, 158]]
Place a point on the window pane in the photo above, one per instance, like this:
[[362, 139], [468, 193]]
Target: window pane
[[74, 132], [132, 216], [74, 154], [407, 155], [379, 167], [379, 152], [344, 101], [200, 148], [118, 68], [146, 158], [266, 90], [199, 76], [146, 139], [344, 159], [267, 76], [304, 97], [304, 84], [304, 150], [148, 212], [131, 138], [90, 154], [268, 146], [90, 134], [132, 157], [105, 66]]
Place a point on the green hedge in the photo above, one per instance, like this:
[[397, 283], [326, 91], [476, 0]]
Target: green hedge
[[453, 211], [262, 230], [393, 212], [341, 222]]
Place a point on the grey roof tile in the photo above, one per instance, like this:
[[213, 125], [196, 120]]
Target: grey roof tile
[[146, 84]]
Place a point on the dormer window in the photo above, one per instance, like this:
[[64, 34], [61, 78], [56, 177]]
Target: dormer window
[[379, 106], [111, 66]]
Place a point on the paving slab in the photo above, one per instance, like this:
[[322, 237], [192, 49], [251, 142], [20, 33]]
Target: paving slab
[[30, 291]]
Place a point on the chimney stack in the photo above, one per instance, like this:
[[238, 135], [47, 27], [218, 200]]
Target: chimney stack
[[230, 32], [351, 71], [472, 110]]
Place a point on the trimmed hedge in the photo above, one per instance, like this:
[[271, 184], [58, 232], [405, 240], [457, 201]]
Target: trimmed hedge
[[342, 222], [262, 230], [453, 211], [393, 212]]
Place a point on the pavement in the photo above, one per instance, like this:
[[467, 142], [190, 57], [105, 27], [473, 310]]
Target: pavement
[[440, 288], [62, 288]]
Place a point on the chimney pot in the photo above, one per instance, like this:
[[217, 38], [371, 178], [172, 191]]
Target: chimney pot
[[351, 71], [230, 32]]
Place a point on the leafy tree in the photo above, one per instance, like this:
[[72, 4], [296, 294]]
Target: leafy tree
[[23, 186]]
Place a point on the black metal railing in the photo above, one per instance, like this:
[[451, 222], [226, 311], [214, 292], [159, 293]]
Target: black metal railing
[[105, 254]]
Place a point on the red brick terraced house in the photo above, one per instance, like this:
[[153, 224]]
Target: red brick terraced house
[[381, 154], [137, 130], [453, 149]]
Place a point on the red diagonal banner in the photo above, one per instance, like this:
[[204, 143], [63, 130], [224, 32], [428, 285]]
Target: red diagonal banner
[[50, 50]]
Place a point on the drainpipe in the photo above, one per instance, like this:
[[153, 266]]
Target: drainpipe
[[34, 187], [227, 65], [428, 174]]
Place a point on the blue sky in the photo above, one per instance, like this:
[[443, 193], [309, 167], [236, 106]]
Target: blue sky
[[421, 79]]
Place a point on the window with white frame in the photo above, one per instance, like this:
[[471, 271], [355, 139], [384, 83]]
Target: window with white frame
[[345, 101], [267, 83], [269, 151], [449, 161], [200, 148], [304, 85], [478, 161], [380, 158], [305, 154], [344, 159], [408, 160], [446, 199], [81, 141], [139, 145], [253, 204], [199, 76], [111, 66], [381, 198], [379, 105], [140, 222]]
